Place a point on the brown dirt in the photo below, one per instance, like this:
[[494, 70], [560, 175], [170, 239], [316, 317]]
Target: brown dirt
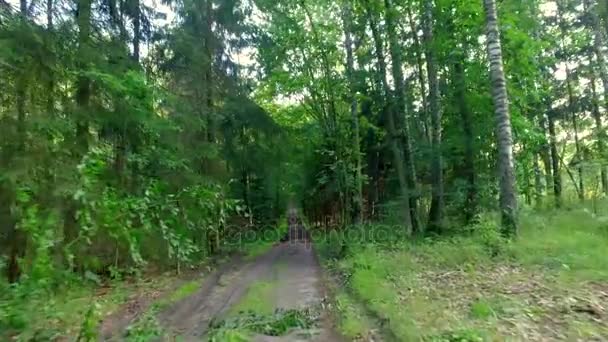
[[292, 266], [115, 325]]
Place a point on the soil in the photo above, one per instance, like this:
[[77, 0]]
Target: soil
[[293, 269], [290, 266]]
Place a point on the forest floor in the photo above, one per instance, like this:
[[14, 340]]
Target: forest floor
[[549, 285], [277, 295]]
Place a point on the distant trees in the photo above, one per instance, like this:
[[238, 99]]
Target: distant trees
[[113, 156], [423, 99], [361, 110]]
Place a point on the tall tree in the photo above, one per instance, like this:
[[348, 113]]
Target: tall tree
[[388, 110], [470, 204], [50, 13], [401, 110], [350, 72], [83, 84], [571, 100], [436, 210], [506, 168], [598, 43]]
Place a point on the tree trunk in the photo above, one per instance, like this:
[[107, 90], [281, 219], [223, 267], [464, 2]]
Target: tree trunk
[[570, 93], [14, 236], [436, 210], [369, 140], [50, 100], [21, 90], [394, 141], [400, 104], [136, 30], [577, 143], [600, 135], [598, 43], [82, 97], [557, 177], [421, 78], [470, 209], [508, 197], [545, 153], [358, 198], [209, 72], [83, 84], [538, 183]]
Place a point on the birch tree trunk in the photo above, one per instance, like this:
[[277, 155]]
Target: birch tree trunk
[[598, 43], [507, 183]]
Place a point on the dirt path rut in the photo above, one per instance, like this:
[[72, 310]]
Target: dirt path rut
[[292, 269]]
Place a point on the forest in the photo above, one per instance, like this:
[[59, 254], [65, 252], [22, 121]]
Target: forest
[[448, 159]]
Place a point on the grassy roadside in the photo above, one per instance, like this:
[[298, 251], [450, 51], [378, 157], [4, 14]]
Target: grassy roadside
[[254, 307], [552, 283], [75, 310], [350, 317], [146, 327], [33, 311]]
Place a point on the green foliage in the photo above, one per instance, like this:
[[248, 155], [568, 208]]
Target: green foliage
[[145, 329], [89, 328], [457, 336], [185, 290], [258, 299], [482, 310], [568, 242], [29, 312], [352, 321], [452, 288], [276, 324], [229, 335], [115, 158]]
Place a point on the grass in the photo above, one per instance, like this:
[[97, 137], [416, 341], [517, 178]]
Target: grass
[[185, 290], [263, 241], [258, 299], [551, 283], [278, 323], [572, 243], [482, 309], [256, 248], [32, 313], [147, 327], [352, 322]]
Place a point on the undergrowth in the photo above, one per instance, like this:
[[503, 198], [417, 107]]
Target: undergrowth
[[33, 312], [470, 284]]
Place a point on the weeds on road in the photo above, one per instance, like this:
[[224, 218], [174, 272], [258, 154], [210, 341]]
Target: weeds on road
[[279, 323]]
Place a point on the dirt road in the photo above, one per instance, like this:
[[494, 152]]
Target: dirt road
[[288, 276]]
